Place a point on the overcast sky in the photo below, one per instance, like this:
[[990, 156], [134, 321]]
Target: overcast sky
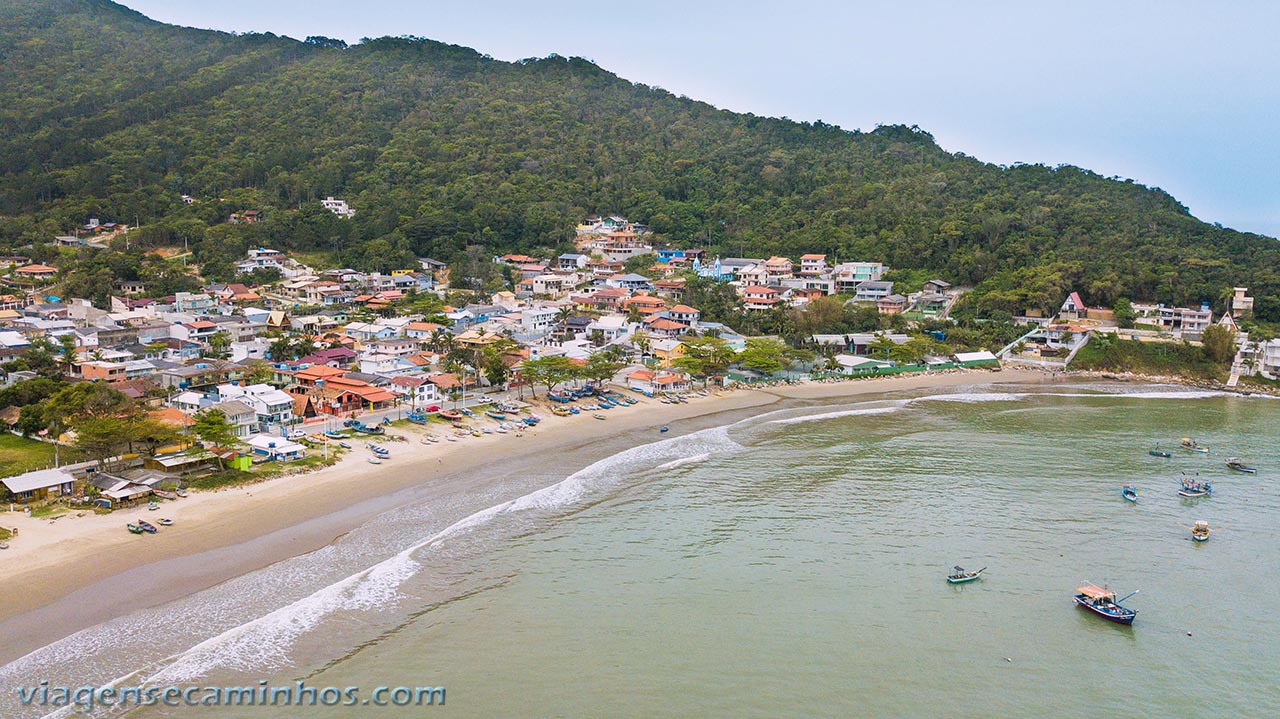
[[1180, 94]]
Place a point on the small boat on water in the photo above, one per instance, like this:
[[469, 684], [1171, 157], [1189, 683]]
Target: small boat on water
[[134, 528], [1191, 444], [1157, 452], [1191, 488], [1200, 532], [1239, 466], [147, 527], [164, 521], [1103, 602], [1130, 493], [958, 575]]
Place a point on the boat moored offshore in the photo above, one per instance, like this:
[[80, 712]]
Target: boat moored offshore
[[1103, 602]]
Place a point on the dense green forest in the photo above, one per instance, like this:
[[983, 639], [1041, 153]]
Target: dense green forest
[[445, 152]]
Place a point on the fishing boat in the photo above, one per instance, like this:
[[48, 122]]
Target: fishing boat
[[4, 545], [153, 506], [599, 416], [344, 445], [958, 575], [1191, 488], [1191, 444], [493, 414], [1239, 466], [1200, 532], [134, 528], [147, 527], [452, 438], [368, 430], [1157, 452], [334, 435], [450, 415], [164, 521], [560, 411], [163, 494], [467, 412], [1103, 602], [373, 460], [1130, 493], [180, 492], [664, 429]]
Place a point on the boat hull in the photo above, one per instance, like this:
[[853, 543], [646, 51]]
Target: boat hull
[[1190, 493], [962, 580], [1126, 618], [1194, 538]]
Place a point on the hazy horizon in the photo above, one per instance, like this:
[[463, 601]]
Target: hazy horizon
[[1172, 95]]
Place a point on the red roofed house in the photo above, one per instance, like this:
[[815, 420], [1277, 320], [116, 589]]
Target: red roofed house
[[1073, 308], [813, 264], [685, 314], [758, 297], [650, 383], [36, 272], [644, 303]]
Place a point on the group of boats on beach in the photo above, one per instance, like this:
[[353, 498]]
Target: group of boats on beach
[[1101, 600]]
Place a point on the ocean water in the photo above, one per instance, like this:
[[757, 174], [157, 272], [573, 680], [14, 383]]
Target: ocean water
[[789, 564]]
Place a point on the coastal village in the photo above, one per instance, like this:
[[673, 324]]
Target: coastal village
[[243, 379]]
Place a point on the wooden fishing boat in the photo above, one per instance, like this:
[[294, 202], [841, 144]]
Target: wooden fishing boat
[[134, 528], [373, 460], [467, 412], [1239, 466], [495, 415], [163, 494], [344, 445], [450, 415], [1191, 444], [147, 527], [1200, 532], [1130, 493], [599, 416], [180, 492], [1157, 452], [1103, 602], [153, 506], [164, 521], [958, 575], [334, 435]]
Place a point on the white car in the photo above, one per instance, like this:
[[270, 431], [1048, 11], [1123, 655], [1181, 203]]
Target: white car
[[296, 433]]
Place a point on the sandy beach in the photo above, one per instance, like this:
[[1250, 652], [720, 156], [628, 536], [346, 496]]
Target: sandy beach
[[69, 573]]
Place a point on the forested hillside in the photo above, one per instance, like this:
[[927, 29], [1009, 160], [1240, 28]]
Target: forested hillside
[[445, 152]]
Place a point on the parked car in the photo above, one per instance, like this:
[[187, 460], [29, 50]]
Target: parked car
[[433, 408]]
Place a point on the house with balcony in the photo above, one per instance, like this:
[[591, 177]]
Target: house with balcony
[[416, 391], [872, 291], [848, 275], [757, 298], [813, 264], [272, 407], [650, 382], [242, 417], [338, 207]]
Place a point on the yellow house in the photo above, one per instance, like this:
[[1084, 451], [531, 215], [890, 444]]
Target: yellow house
[[667, 351]]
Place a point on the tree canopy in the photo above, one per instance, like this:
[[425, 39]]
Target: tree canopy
[[448, 153]]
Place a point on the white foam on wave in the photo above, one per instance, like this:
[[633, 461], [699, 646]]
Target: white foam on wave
[[836, 414], [975, 397], [685, 461], [265, 642]]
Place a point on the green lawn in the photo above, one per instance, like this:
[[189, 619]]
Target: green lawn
[[19, 454]]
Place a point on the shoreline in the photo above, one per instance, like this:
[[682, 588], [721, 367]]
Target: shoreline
[[77, 572]]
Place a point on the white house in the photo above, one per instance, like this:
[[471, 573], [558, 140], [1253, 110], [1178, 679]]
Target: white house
[[275, 449], [270, 404], [337, 207]]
